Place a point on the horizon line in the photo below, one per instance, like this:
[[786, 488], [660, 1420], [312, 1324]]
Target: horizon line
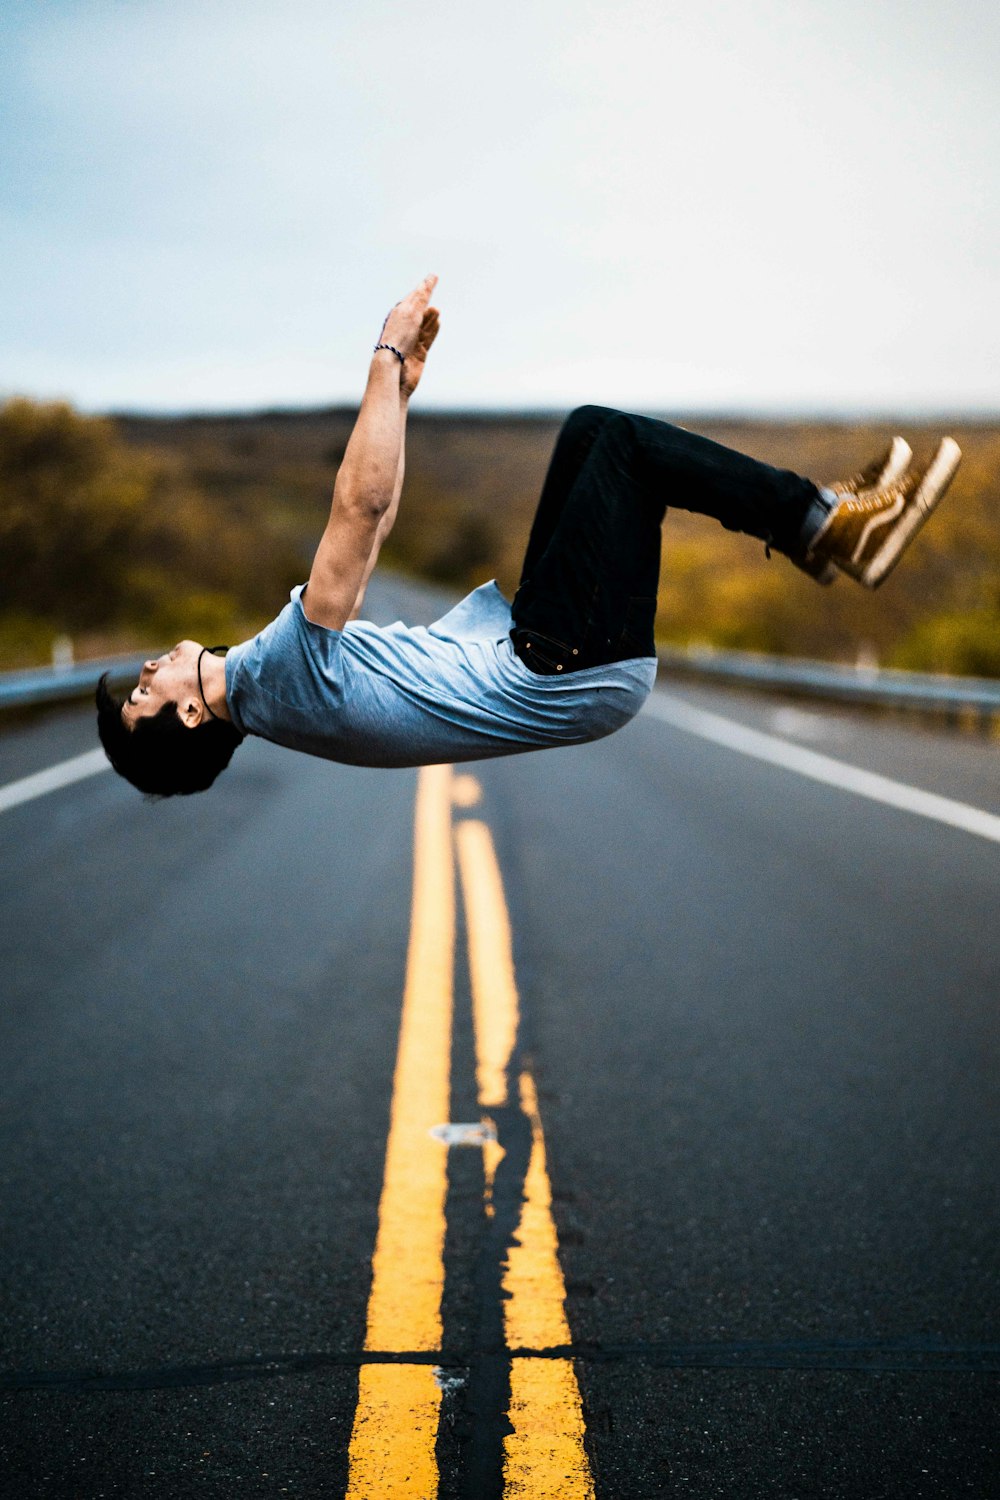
[[537, 412]]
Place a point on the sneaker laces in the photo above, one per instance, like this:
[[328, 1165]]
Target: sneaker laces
[[866, 478], [874, 498]]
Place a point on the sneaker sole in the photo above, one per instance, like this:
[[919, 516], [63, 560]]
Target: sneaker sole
[[931, 490], [897, 461], [900, 455], [896, 464]]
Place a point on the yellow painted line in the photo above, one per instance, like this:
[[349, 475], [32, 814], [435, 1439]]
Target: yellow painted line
[[544, 1454], [491, 964], [396, 1419], [465, 790]]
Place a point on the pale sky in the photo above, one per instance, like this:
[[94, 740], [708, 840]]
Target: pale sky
[[757, 205]]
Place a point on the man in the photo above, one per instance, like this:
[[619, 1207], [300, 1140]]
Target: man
[[572, 659]]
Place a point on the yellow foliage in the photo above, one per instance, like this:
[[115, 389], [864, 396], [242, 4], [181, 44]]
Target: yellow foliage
[[146, 523], [97, 537]]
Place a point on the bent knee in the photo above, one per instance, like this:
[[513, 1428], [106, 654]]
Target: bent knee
[[587, 418]]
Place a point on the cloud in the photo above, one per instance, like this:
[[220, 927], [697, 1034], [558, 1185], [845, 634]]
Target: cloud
[[218, 202]]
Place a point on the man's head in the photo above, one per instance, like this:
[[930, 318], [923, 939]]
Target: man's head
[[162, 737]]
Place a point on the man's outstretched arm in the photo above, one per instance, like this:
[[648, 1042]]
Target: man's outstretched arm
[[366, 486], [385, 525], [410, 375]]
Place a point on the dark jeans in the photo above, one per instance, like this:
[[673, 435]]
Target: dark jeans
[[588, 586]]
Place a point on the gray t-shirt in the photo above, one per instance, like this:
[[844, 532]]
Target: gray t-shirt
[[408, 696]]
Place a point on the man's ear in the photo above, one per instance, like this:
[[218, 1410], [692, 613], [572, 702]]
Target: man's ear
[[191, 714]]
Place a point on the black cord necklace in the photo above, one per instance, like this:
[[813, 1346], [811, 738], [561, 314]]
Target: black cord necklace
[[211, 650]]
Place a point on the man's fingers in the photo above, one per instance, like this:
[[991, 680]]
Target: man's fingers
[[407, 321], [422, 293], [429, 327]]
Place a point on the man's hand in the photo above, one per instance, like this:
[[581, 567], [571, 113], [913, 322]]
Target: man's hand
[[413, 367], [404, 324]]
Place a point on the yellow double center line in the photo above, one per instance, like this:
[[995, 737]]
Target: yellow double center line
[[392, 1452]]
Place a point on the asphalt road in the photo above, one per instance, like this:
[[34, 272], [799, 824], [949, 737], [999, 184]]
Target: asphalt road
[[760, 1014]]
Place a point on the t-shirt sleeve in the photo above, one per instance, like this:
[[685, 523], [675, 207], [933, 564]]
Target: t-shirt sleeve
[[293, 665]]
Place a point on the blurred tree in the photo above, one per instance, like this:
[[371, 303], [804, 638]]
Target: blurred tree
[[142, 527], [71, 500], [96, 535]]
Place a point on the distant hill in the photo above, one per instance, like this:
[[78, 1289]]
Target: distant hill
[[136, 530], [473, 480]]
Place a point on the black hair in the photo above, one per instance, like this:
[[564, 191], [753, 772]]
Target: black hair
[[160, 755]]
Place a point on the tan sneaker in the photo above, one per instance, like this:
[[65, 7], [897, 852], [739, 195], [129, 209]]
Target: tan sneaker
[[868, 532], [886, 469]]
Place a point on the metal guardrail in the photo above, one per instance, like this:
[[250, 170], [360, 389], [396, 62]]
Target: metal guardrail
[[969, 701], [63, 684]]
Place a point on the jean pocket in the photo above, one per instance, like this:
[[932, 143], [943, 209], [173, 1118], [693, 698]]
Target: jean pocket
[[542, 653]]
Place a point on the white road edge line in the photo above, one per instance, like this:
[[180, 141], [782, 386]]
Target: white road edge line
[[825, 768], [63, 774], [707, 726]]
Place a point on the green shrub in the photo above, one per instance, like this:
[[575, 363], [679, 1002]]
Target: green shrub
[[101, 538], [25, 640], [967, 645]]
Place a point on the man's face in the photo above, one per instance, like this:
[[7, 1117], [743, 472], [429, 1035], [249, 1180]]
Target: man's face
[[171, 678]]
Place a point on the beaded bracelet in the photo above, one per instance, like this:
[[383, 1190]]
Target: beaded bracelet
[[392, 348]]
